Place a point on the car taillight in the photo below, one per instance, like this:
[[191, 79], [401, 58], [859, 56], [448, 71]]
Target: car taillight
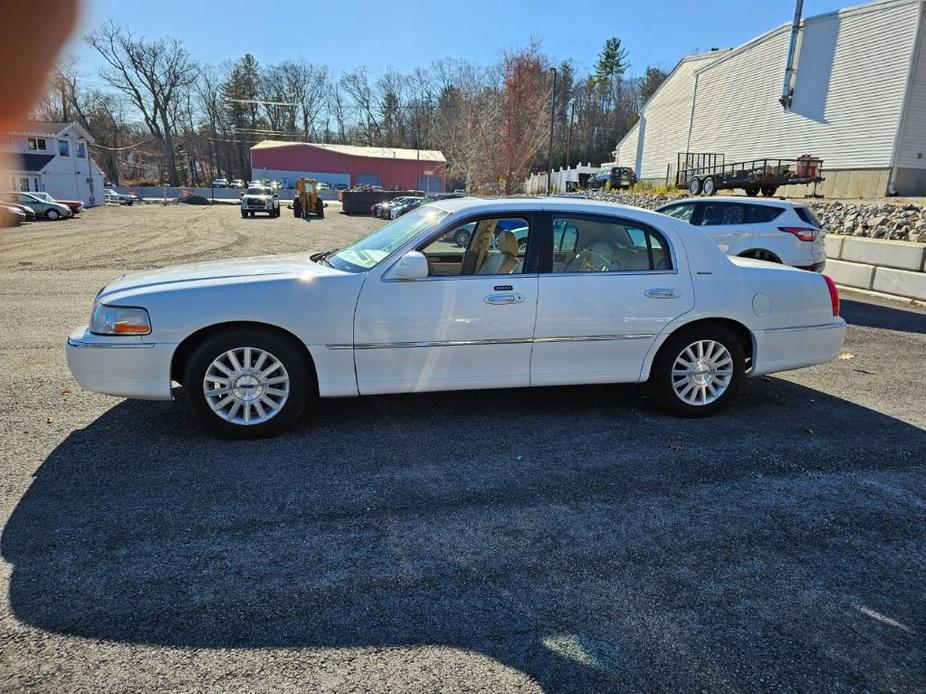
[[803, 233], [834, 293]]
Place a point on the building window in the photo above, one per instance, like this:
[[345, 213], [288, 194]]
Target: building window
[[36, 143], [82, 150], [64, 148]]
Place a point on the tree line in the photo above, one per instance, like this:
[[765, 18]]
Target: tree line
[[158, 115]]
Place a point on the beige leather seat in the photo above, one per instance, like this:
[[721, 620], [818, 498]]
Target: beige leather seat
[[596, 257], [505, 259]]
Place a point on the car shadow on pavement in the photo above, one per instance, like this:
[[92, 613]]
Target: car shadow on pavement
[[575, 534], [872, 315]]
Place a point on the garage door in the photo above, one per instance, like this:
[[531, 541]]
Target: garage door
[[429, 184], [370, 179]]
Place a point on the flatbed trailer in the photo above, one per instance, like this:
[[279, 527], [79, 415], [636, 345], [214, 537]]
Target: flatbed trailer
[[709, 173]]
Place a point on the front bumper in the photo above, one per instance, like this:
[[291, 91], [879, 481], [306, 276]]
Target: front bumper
[[120, 366]]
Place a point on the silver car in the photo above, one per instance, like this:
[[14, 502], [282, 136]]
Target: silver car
[[42, 208]]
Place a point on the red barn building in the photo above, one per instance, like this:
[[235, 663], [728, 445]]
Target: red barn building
[[406, 169]]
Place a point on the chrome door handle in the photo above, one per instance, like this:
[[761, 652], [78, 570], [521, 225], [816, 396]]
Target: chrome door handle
[[662, 293], [504, 299]]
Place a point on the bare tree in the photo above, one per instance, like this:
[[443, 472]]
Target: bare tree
[[153, 75]]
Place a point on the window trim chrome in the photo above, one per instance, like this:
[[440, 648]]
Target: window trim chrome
[[593, 216]]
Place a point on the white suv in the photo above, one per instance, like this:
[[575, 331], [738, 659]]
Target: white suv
[[773, 230]]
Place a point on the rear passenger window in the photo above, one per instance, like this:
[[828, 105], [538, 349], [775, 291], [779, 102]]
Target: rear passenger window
[[807, 215], [684, 211], [722, 213], [609, 245], [759, 214]]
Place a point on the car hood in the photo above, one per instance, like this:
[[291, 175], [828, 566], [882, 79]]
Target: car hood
[[237, 268]]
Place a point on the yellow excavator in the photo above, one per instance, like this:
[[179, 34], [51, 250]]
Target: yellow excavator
[[306, 200]]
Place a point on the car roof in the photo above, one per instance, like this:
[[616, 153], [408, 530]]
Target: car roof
[[737, 198], [550, 204]]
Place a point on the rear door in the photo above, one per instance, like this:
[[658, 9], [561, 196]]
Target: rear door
[[727, 223], [610, 287]]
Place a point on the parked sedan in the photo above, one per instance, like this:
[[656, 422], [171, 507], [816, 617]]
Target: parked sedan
[[11, 216], [27, 211], [610, 295], [410, 203], [76, 206], [42, 208], [771, 230]]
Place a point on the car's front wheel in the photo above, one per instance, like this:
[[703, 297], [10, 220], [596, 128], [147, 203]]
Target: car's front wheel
[[698, 370], [247, 383], [53, 215]]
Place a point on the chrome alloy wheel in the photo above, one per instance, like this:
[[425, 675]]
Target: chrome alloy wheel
[[702, 372], [246, 385]]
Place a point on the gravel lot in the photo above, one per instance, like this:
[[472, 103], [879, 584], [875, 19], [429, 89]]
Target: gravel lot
[[570, 539]]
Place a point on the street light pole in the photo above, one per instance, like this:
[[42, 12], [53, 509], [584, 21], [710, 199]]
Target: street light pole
[[550, 149]]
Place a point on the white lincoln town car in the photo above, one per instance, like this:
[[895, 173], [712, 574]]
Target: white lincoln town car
[[598, 293]]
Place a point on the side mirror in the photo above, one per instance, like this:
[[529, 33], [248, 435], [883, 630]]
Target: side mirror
[[411, 266]]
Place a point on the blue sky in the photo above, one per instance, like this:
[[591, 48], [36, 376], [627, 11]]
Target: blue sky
[[364, 32]]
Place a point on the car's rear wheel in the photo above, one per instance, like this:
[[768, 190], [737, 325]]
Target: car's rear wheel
[[247, 383], [698, 370], [694, 186], [52, 215]]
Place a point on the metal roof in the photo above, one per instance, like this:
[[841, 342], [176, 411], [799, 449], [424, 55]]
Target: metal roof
[[357, 151]]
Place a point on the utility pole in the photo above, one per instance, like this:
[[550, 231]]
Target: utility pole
[[572, 114], [550, 149]]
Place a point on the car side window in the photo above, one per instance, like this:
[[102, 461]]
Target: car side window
[[722, 213], [606, 244], [683, 211], [759, 214], [490, 246]]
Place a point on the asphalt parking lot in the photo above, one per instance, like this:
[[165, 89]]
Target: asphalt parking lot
[[569, 539]]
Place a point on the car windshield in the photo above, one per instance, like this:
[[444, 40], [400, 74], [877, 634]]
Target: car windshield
[[258, 191], [43, 196], [372, 249]]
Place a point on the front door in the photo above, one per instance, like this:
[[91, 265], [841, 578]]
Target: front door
[[614, 286], [467, 325]]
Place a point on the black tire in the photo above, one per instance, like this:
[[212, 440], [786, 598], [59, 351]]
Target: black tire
[[283, 348], [752, 191], [320, 209], [297, 207], [694, 186], [769, 191], [661, 377], [244, 213], [52, 215], [461, 238], [709, 185]]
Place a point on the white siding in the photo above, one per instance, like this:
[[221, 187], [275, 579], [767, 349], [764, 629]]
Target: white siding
[[665, 119], [851, 79], [626, 152], [912, 150]]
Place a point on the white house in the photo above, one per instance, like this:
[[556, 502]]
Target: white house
[[858, 101], [53, 157]]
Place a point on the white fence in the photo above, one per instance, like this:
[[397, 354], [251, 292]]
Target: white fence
[[538, 183]]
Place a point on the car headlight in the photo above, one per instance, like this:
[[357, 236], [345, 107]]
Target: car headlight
[[119, 320]]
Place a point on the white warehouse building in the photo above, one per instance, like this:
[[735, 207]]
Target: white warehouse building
[[857, 101]]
